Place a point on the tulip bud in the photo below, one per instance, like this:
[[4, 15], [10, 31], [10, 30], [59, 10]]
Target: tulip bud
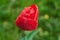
[[28, 18]]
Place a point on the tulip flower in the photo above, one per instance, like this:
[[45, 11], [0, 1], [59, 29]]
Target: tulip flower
[[28, 18]]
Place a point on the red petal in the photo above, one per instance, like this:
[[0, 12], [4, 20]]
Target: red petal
[[28, 19]]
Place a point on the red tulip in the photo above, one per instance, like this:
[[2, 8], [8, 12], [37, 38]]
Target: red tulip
[[28, 18]]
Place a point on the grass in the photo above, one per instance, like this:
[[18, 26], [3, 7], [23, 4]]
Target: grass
[[49, 25]]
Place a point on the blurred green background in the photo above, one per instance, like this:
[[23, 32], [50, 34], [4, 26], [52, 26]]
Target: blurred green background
[[49, 19]]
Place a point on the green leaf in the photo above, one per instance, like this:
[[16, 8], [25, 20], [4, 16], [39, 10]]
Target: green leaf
[[32, 34]]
